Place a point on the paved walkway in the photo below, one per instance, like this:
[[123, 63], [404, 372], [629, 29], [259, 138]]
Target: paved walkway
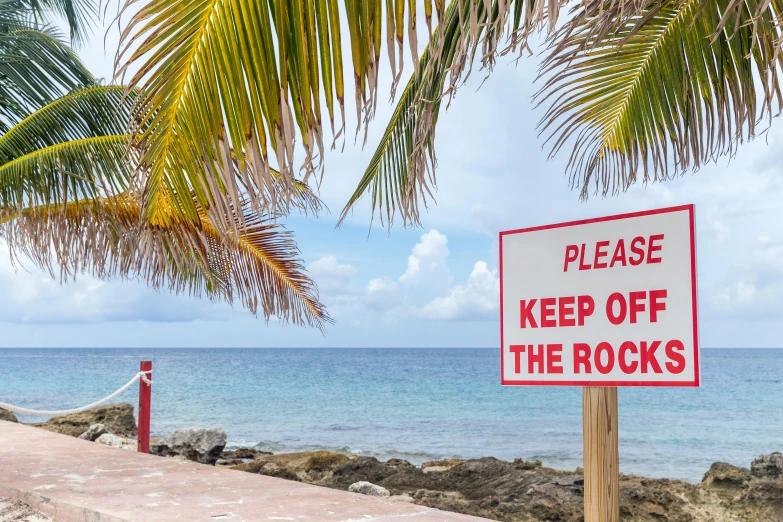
[[76, 480]]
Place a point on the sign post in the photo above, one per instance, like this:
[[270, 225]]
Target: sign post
[[601, 454], [601, 303]]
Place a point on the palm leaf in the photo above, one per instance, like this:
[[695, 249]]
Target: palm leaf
[[94, 111], [68, 199], [75, 147], [78, 14], [35, 69], [218, 75], [401, 173], [259, 267], [680, 83], [72, 170]]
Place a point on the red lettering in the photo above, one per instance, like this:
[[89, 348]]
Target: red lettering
[[517, 350], [566, 313], [678, 364], [637, 304], [582, 357], [652, 247], [637, 250], [526, 313], [548, 312], [619, 298], [582, 265], [600, 254], [656, 305], [586, 307], [619, 253], [648, 357], [554, 358], [626, 347], [570, 256], [600, 366], [535, 357]]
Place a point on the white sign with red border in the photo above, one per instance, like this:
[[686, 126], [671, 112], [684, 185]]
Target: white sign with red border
[[609, 301]]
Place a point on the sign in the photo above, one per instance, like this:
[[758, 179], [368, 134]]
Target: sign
[[609, 301]]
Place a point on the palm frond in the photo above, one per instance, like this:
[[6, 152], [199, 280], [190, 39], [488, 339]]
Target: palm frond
[[35, 69], [78, 14], [82, 168], [680, 83], [68, 199], [401, 173], [219, 75], [99, 110], [105, 238]]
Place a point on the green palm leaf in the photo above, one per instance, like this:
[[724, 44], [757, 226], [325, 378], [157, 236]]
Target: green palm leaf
[[83, 168], [35, 68], [679, 84], [222, 75], [401, 173], [78, 14], [94, 111], [72, 148]]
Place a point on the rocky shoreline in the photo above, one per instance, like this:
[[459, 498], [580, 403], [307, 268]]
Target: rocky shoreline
[[518, 491]]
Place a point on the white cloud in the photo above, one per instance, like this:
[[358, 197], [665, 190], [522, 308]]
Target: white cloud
[[476, 300], [348, 301], [427, 263], [382, 294], [329, 274], [754, 289]]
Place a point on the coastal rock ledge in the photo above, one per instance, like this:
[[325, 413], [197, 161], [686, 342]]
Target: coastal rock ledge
[[522, 491], [117, 418]]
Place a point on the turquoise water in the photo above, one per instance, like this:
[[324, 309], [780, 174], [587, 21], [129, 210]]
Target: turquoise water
[[417, 404]]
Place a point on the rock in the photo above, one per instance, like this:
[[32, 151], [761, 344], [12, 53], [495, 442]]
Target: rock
[[243, 453], [117, 442], [8, 416], [325, 461], [362, 469], [239, 456], [368, 488], [274, 469], [768, 466], [722, 476], [527, 465], [312, 467], [440, 465], [95, 431], [198, 444], [118, 419]]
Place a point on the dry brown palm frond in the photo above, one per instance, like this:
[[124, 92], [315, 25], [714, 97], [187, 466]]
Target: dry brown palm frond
[[259, 267]]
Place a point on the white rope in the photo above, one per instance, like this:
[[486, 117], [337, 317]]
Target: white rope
[[60, 413]]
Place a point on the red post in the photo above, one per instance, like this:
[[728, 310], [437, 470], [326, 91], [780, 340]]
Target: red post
[[145, 403]]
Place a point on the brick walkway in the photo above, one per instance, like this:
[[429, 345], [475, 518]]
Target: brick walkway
[[76, 480]]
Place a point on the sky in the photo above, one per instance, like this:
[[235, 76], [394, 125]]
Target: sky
[[436, 286]]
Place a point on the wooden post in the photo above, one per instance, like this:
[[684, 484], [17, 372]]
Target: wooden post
[[145, 403], [601, 455]]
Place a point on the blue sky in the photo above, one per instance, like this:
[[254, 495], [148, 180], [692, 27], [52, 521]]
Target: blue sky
[[438, 285]]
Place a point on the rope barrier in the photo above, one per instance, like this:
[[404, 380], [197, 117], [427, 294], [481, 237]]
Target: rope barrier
[[60, 413]]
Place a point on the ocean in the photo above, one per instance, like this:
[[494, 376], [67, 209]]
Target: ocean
[[417, 404]]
